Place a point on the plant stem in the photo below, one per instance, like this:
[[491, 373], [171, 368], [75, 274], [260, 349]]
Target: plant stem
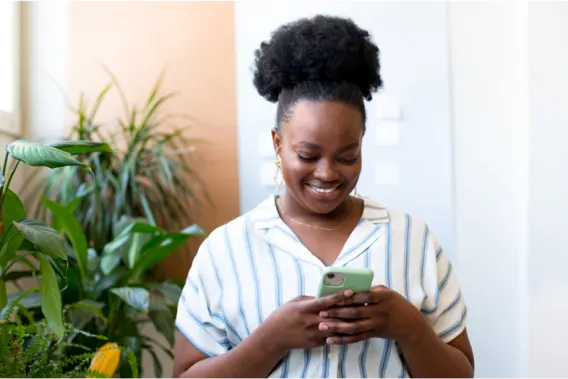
[[14, 262], [7, 185], [5, 164]]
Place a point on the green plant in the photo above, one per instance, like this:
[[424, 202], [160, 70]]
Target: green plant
[[31, 351], [23, 239], [149, 176], [110, 294]]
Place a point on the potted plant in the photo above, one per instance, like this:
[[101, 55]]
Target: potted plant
[[23, 239], [109, 293]]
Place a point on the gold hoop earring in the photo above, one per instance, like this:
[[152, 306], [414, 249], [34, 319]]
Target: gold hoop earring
[[278, 164]]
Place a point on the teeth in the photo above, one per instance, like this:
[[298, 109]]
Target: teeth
[[324, 190]]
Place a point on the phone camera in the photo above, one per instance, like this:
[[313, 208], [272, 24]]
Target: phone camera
[[330, 276]]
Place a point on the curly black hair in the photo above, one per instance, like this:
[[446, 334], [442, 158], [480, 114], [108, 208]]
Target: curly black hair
[[319, 58]]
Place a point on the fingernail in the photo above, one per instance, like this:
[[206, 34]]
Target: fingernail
[[330, 341], [348, 293], [323, 314], [323, 327]]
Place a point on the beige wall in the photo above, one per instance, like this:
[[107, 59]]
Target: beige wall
[[196, 42]]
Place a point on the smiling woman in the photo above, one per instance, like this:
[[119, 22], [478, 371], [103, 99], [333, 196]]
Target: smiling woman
[[248, 308]]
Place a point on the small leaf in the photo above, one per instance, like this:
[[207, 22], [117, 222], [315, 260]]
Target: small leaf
[[70, 226], [136, 297], [83, 312], [50, 297], [10, 242], [156, 250], [169, 289], [82, 147], [193, 230], [47, 239], [39, 155], [109, 263]]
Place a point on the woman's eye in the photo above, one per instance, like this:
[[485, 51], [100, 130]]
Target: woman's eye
[[348, 161], [306, 158]]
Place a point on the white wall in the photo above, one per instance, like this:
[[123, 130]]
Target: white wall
[[548, 189], [488, 54], [44, 69]]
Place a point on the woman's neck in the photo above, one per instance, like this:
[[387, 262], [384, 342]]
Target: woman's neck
[[292, 208]]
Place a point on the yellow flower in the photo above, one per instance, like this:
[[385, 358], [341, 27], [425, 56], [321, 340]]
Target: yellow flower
[[106, 360]]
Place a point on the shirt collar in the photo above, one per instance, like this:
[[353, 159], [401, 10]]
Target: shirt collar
[[266, 216]]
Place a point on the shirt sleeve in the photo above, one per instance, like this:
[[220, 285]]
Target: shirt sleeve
[[199, 317], [444, 306]]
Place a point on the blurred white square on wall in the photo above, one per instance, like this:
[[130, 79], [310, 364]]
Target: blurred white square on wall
[[267, 173], [387, 108], [388, 133], [387, 173]]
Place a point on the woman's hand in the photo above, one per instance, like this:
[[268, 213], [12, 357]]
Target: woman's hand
[[379, 313], [295, 325]]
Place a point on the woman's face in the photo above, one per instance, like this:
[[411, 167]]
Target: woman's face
[[320, 149]]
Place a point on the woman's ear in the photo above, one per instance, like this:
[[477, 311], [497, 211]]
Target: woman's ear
[[276, 140]]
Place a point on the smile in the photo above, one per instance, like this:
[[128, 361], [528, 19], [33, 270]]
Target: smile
[[323, 190]]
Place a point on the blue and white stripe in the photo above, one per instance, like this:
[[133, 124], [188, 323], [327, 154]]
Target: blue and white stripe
[[249, 267]]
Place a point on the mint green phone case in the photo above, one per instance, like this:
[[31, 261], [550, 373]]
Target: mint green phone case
[[336, 279]]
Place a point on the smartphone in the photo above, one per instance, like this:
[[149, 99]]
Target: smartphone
[[336, 279]]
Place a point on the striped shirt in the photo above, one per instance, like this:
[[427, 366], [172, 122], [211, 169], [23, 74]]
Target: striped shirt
[[249, 267]]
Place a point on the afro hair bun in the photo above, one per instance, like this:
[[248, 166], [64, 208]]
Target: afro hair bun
[[320, 49]]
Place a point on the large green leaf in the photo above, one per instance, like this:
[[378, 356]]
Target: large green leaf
[[50, 297], [82, 147], [10, 237], [47, 239], [13, 210], [156, 250], [136, 297], [70, 226], [37, 154]]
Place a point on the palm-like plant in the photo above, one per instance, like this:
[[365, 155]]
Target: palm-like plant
[[148, 175]]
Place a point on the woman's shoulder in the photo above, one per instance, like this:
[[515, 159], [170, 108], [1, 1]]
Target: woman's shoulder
[[395, 217]]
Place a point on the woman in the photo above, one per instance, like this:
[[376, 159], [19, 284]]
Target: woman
[[248, 307]]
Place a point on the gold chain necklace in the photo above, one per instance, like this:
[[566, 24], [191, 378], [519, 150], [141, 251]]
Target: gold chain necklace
[[316, 227]]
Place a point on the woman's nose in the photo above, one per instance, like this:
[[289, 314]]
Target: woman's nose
[[326, 171]]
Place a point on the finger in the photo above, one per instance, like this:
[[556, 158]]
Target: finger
[[301, 298], [330, 300], [373, 296], [344, 340], [349, 328], [350, 312]]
